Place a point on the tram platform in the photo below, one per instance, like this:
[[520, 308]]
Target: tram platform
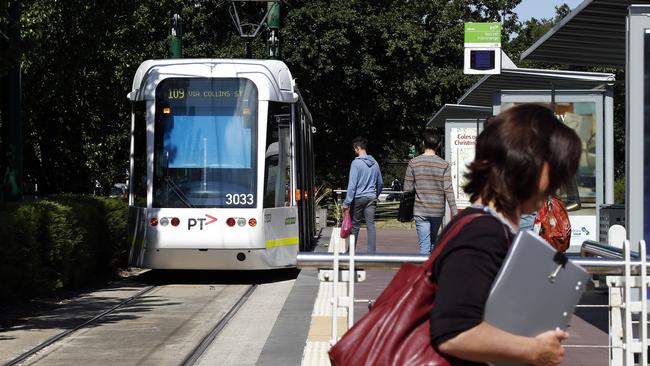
[[302, 330]]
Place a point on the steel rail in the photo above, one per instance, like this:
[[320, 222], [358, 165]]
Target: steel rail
[[66, 333], [199, 350]]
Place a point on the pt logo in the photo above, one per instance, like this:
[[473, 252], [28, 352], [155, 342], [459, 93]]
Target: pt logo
[[201, 222]]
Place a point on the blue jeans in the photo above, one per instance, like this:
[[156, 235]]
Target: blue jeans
[[427, 228]]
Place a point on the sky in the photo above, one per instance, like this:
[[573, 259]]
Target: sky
[[541, 8]]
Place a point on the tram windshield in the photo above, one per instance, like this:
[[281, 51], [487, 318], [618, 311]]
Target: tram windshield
[[205, 143]]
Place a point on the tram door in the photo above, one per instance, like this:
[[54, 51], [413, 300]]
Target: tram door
[[305, 177]]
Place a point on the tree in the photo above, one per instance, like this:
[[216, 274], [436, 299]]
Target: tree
[[380, 69], [79, 63], [528, 32]]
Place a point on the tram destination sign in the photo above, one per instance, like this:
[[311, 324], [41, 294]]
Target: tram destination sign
[[177, 93]]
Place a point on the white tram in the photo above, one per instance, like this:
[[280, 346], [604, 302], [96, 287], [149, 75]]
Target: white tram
[[221, 173]]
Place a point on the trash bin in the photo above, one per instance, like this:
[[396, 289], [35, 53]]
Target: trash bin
[[610, 215]]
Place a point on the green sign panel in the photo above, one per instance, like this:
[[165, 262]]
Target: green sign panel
[[486, 33]]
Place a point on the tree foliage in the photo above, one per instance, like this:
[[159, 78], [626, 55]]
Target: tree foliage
[[378, 68], [528, 32]]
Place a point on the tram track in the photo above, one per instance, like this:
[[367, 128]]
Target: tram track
[[57, 338], [193, 357]]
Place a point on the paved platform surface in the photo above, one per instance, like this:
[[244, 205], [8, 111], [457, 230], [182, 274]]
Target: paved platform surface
[[294, 327], [285, 321]]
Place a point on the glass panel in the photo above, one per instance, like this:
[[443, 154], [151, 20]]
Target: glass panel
[[285, 167], [138, 176], [581, 117], [277, 157], [205, 143], [270, 180]]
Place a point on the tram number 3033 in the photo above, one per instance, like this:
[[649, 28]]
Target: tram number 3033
[[239, 199]]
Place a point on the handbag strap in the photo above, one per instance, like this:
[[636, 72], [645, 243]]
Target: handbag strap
[[450, 234]]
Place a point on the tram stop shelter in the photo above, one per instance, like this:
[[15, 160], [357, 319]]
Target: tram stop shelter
[[582, 100], [613, 33]]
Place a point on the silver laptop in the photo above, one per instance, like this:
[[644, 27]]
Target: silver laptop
[[526, 299]]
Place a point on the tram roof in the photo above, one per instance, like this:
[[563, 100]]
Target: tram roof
[[272, 77], [593, 34]]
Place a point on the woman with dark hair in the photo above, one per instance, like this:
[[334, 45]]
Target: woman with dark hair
[[522, 155]]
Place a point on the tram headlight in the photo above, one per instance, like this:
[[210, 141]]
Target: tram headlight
[[164, 221], [241, 221], [175, 221], [230, 222], [252, 222], [153, 221]]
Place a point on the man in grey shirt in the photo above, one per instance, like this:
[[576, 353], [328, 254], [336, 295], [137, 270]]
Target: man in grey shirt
[[429, 176]]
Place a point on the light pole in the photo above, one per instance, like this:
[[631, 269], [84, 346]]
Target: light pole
[[176, 38]]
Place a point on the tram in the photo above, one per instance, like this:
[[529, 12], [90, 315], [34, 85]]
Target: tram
[[221, 166]]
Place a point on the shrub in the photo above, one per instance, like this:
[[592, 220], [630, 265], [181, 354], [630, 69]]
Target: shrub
[[619, 191], [58, 242]]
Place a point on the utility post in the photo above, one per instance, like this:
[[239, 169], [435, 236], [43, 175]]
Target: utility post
[[273, 23], [176, 38], [11, 129]]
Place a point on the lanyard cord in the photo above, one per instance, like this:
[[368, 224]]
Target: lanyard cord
[[493, 212]]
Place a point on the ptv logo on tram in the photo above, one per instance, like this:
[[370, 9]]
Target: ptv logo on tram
[[200, 221]]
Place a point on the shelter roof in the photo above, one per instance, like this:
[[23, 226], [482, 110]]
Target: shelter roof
[[459, 111], [593, 34], [483, 91]]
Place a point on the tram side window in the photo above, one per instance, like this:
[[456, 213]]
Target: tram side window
[[139, 177], [277, 167]]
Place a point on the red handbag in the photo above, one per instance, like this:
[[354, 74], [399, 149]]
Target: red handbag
[[346, 225], [554, 225], [396, 330]]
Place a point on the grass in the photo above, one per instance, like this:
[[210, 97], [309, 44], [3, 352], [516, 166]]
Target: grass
[[386, 217]]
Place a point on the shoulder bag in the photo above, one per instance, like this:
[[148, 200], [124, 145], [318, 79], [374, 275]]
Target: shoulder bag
[[396, 330], [405, 212], [552, 223]]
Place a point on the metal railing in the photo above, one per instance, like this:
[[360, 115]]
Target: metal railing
[[306, 260], [626, 271], [590, 247]]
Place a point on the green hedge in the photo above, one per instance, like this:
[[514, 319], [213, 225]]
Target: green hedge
[[59, 242]]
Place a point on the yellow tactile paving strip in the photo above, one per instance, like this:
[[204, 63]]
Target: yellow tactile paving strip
[[320, 328]]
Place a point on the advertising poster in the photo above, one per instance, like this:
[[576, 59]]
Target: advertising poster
[[581, 117], [582, 228], [462, 145], [581, 114]]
